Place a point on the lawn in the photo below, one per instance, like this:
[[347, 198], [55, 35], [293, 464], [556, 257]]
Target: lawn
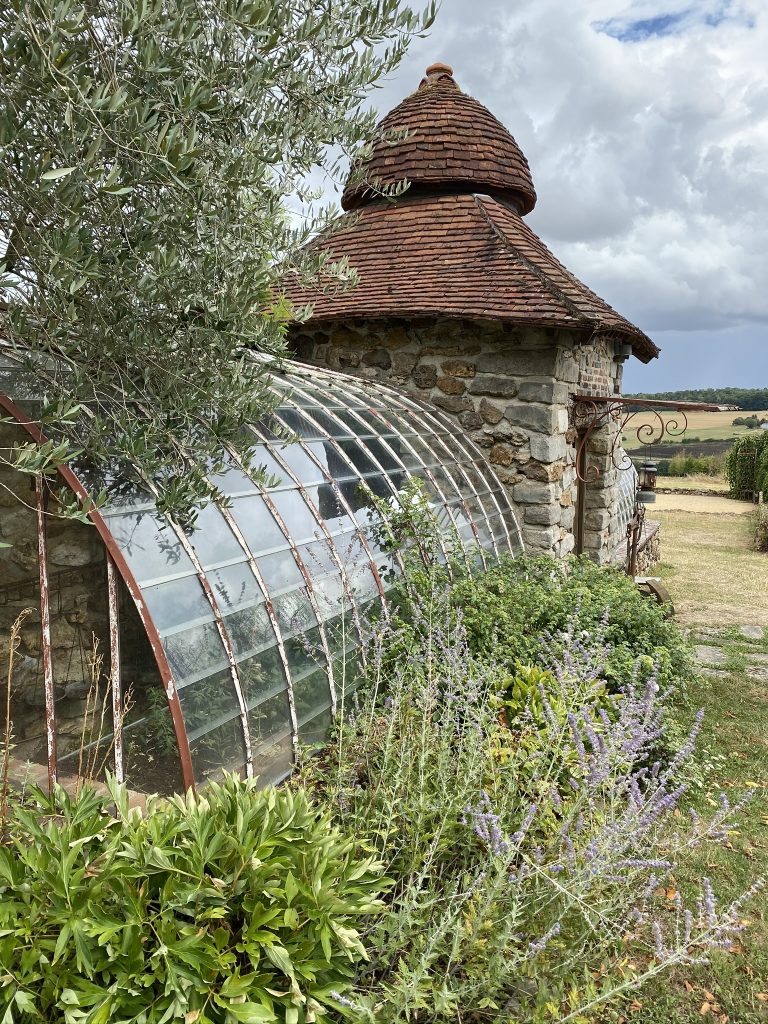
[[715, 579], [706, 426], [709, 567], [733, 989]]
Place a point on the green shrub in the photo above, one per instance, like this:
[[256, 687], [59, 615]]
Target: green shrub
[[746, 465], [526, 858], [691, 465], [511, 610], [237, 905], [761, 527]]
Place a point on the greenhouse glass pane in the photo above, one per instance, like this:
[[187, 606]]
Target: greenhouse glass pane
[[212, 538], [208, 701], [331, 509], [294, 612], [356, 454], [383, 456], [316, 730], [305, 652], [257, 524], [329, 594], [279, 571], [356, 427], [272, 764], [150, 546], [250, 629], [232, 481], [234, 586], [269, 721], [341, 633], [318, 557], [296, 514], [311, 695], [299, 462], [177, 602], [221, 749], [300, 424], [262, 676], [328, 424], [195, 652]]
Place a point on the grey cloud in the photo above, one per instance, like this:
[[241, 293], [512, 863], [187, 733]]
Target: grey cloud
[[650, 159]]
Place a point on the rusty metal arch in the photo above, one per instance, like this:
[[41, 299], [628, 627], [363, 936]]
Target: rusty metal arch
[[115, 554], [309, 393]]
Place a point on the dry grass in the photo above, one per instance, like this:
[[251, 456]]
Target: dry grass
[[709, 503], [711, 568], [696, 482]]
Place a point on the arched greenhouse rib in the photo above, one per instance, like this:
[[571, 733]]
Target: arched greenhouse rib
[[258, 617]]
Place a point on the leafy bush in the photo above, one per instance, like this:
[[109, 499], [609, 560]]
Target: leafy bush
[[761, 527], [691, 465], [746, 465], [526, 860], [512, 612], [239, 905]]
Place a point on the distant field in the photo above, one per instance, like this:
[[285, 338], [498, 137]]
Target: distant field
[[707, 426], [694, 483]]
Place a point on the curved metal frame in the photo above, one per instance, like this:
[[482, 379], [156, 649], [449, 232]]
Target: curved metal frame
[[590, 413], [454, 491], [158, 651]]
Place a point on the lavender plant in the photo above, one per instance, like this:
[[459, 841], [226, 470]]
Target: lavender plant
[[527, 859]]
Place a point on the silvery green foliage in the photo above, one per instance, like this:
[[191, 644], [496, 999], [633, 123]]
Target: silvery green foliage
[[530, 854], [147, 150]]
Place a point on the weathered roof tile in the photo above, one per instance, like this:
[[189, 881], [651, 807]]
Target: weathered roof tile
[[454, 244]]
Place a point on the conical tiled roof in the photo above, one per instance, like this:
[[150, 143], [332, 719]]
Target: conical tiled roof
[[466, 256], [453, 143], [454, 244]]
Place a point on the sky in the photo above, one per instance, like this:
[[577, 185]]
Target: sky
[[645, 123]]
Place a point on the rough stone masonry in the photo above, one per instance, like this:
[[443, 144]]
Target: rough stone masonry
[[510, 389]]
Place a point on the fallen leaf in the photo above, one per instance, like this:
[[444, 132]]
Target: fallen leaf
[[705, 1008], [763, 997]]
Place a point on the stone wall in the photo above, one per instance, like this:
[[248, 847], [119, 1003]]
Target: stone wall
[[599, 372], [78, 611], [510, 389]]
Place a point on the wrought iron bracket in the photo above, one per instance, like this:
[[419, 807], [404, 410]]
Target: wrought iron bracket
[[590, 414]]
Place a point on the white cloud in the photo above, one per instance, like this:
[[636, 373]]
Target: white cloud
[[649, 155]]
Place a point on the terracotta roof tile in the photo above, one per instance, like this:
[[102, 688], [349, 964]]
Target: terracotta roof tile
[[454, 244], [460, 255], [452, 141]]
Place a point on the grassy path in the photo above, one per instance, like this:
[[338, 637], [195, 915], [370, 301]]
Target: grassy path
[[709, 566], [716, 579]]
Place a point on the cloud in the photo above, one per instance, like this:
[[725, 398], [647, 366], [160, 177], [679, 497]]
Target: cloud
[[648, 146], [647, 18]]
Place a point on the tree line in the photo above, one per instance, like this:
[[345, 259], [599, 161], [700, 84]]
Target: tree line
[[746, 398]]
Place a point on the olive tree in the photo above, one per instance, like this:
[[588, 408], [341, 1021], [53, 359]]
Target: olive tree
[[148, 153]]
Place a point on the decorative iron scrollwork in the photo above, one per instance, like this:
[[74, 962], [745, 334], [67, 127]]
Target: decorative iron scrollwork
[[590, 414]]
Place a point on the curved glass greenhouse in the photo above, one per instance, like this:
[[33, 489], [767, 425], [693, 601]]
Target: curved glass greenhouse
[[256, 621]]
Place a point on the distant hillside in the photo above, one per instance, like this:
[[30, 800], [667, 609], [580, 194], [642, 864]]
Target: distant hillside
[[745, 398]]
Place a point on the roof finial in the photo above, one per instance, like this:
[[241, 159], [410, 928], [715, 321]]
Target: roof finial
[[438, 73]]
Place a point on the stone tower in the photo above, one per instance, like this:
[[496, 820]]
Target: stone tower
[[459, 302]]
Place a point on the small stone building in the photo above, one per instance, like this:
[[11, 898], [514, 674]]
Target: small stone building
[[458, 302]]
